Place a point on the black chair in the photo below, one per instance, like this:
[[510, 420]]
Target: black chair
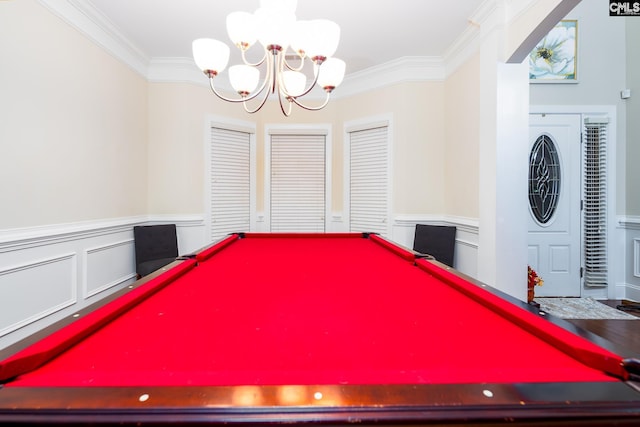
[[438, 241], [156, 246]]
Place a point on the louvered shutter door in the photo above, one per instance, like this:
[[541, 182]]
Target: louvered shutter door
[[298, 183], [230, 182], [369, 180], [595, 203]]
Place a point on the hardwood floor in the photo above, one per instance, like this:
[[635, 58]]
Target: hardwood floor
[[625, 333]]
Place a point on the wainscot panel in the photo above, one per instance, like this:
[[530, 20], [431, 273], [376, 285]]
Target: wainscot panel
[[99, 278], [31, 292]]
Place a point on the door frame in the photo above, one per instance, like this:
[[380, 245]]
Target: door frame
[[615, 245]]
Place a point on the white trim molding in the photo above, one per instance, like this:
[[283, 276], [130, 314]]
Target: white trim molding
[[629, 222], [28, 237]]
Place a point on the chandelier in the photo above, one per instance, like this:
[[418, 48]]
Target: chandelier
[[275, 26]]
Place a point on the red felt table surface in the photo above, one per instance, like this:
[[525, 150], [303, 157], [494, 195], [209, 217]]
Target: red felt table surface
[[308, 311]]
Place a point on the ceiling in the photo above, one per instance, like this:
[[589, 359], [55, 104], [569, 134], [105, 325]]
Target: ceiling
[[372, 33]]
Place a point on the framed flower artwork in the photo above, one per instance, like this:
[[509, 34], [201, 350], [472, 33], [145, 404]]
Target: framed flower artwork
[[553, 60]]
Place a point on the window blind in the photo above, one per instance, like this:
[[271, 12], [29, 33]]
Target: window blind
[[298, 183], [368, 161], [595, 203], [230, 182]]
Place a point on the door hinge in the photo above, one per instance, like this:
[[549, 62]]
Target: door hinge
[[581, 205], [581, 272]]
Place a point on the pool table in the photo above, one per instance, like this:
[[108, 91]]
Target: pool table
[[335, 328]]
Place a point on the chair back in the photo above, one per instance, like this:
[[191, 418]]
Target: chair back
[[438, 241], [153, 243]]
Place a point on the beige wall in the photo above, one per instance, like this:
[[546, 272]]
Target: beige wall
[[73, 130], [462, 143]]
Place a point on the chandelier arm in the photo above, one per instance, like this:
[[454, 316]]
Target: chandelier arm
[[288, 112], [264, 100], [255, 64], [290, 67], [224, 98], [316, 108], [316, 74], [269, 76]]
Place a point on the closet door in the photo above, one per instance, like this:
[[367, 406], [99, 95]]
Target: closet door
[[368, 180], [298, 193], [230, 200]]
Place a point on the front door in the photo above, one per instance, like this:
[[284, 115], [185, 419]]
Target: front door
[[554, 220]]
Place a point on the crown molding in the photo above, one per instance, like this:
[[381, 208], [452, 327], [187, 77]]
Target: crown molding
[[468, 43], [462, 49], [484, 13], [401, 70], [176, 70], [95, 26]]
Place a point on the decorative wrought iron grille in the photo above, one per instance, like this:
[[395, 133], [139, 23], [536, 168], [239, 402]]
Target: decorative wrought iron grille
[[544, 179]]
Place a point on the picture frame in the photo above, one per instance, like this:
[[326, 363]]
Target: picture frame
[[554, 59]]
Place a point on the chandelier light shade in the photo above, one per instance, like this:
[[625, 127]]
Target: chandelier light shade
[[211, 54], [275, 27]]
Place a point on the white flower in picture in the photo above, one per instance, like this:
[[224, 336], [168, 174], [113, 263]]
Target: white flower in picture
[[554, 58]]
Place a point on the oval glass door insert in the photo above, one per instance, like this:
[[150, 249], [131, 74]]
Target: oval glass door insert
[[544, 179]]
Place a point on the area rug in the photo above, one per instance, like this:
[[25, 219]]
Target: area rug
[[581, 308]]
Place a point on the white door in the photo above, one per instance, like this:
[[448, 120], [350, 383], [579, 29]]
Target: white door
[[368, 161], [230, 182], [298, 183], [554, 221]]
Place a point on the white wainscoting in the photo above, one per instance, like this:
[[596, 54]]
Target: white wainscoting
[[628, 242], [47, 273]]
